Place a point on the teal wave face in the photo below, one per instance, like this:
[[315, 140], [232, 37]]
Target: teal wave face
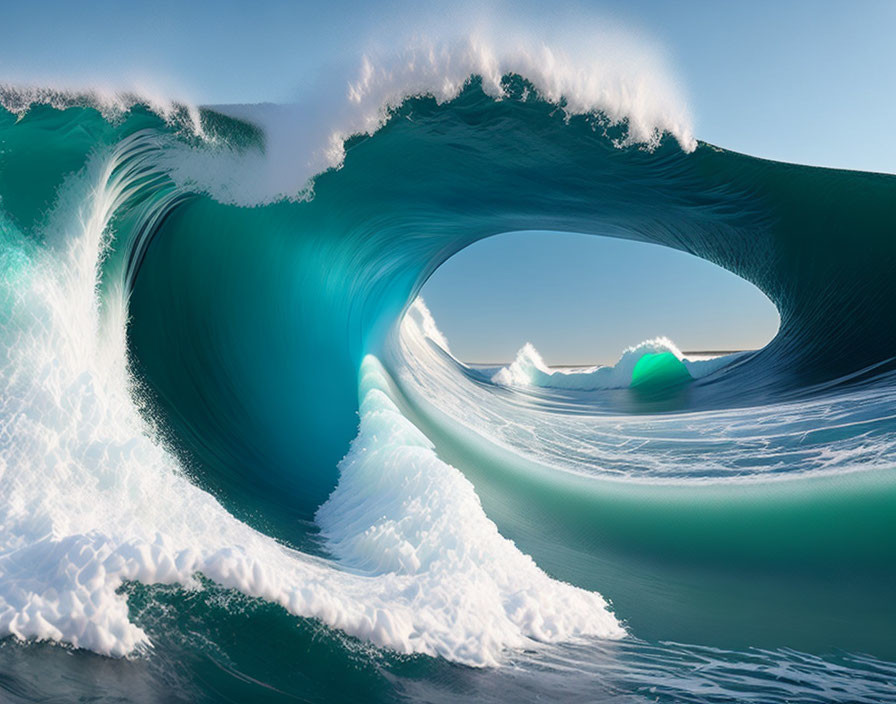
[[246, 328], [334, 273]]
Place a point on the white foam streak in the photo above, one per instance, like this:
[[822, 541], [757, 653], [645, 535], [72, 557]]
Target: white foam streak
[[469, 592], [582, 63]]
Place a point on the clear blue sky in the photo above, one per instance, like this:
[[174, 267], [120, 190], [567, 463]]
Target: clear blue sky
[[582, 299], [811, 82]]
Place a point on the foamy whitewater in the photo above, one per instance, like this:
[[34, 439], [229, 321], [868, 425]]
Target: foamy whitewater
[[237, 455]]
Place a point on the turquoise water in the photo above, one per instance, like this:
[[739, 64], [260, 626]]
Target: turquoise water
[[191, 510]]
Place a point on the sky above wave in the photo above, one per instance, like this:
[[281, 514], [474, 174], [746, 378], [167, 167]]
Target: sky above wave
[[582, 299]]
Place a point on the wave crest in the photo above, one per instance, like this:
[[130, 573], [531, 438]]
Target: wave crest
[[530, 369]]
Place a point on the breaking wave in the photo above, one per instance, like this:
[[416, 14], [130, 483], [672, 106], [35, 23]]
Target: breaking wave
[[200, 304]]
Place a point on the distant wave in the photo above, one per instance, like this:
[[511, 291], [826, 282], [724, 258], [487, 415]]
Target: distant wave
[[529, 369]]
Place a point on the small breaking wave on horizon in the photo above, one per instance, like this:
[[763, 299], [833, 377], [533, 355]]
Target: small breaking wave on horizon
[[529, 369]]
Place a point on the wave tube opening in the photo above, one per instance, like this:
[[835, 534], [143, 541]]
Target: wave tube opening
[[582, 301]]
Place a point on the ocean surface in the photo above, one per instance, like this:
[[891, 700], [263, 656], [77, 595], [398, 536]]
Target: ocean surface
[[238, 461]]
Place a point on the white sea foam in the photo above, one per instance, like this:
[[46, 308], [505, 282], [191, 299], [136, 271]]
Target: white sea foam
[[419, 315], [90, 497], [401, 513]]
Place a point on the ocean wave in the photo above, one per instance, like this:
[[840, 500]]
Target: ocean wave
[[180, 374], [529, 369]]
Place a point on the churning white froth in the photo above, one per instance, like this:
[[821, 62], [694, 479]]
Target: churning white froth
[[466, 591], [528, 369], [92, 498]]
